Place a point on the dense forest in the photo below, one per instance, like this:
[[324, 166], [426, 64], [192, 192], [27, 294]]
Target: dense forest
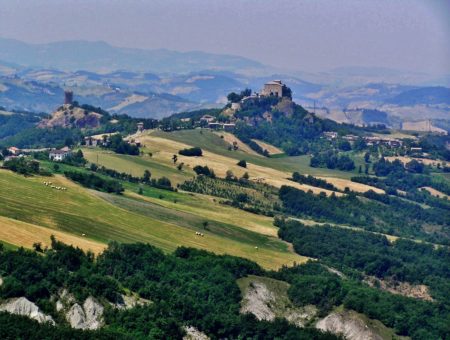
[[189, 287], [382, 213], [373, 254]]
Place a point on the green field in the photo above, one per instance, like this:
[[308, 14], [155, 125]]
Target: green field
[[8, 246], [103, 218]]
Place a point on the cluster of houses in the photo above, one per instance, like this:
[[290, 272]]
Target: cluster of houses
[[370, 140], [210, 122], [53, 154], [103, 140]]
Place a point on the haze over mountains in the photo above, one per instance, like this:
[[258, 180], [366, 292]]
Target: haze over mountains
[[100, 56], [157, 83]]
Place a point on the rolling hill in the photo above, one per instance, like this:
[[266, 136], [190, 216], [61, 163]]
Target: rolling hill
[[426, 96]]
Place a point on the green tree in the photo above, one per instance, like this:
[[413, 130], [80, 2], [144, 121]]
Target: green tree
[[147, 176], [229, 175], [242, 163]]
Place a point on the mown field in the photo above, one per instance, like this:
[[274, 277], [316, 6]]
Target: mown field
[[216, 155], [210, 141], [30, 212]]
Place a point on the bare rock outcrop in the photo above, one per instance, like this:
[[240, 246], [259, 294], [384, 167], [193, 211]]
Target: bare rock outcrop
[[257, 301], [420, 292], [65, 300], [22, 306], [349, 325], [131, 301], [268, 299], [90, 316], [193, 333]]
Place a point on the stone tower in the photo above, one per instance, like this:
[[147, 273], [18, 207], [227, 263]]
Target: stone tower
[[68, 97]]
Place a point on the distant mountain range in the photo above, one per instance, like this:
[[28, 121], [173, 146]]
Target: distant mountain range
[[100, 56]]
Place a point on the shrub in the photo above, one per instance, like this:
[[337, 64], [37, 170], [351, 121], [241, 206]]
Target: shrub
[[204, 170], [191, 152], [242, 163]]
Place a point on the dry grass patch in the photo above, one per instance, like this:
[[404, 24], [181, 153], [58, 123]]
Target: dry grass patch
[[25, 234], [435, 192], [231, 139], [341, 184], [273, 150]]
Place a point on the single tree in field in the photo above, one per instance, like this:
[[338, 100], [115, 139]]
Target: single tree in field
[[147, 176], [229, 175], [242, 163]]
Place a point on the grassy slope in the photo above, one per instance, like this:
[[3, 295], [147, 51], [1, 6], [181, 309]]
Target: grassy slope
[[77, 211], [275, 171], [135, 165], [163, 145], [210, 141]]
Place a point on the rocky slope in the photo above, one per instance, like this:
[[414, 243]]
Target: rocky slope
[[267, 299], [22, 306], [354, 326], [72, 116], [88, 316]]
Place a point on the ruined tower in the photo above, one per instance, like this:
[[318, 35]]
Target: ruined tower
[[68, 97]]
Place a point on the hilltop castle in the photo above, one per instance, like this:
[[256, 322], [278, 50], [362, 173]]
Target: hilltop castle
[[273, 88]]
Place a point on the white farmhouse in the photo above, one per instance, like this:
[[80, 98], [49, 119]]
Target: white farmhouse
[[59, 155]]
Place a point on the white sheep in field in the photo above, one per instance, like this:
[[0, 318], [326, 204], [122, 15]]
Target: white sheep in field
[[83, 234], [256, 248]]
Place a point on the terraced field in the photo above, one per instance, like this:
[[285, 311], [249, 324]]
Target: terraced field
[[30, 212]]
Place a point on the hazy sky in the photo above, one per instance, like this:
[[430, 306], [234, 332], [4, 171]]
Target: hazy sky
[[309, 35]]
